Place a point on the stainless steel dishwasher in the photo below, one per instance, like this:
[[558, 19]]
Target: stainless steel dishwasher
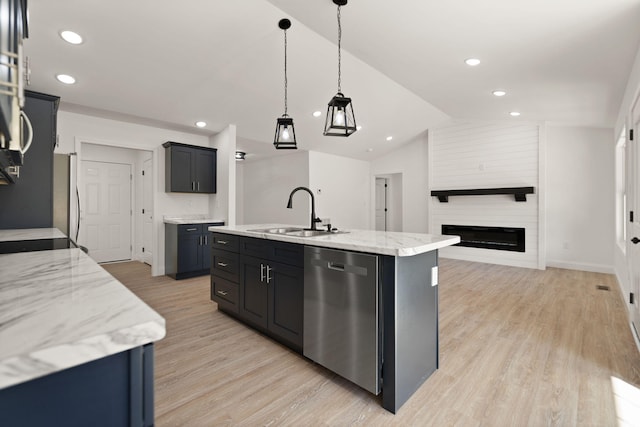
[[341, 328]]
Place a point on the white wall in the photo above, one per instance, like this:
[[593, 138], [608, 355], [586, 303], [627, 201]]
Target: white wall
[[410, 162], [266, 189], [76, 130], [239, 192], [580, 198], [470, 155], [342, 188], [222, 205]]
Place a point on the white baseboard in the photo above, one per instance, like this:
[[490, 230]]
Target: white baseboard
[[595, 268]]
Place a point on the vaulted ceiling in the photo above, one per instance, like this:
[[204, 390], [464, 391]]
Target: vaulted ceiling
[[172, 63]]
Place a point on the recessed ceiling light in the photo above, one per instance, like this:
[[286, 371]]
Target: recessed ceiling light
[[499, 93], [358, 127], [66, 79], [71, 37], [514, 113], [317, 113], [369, 150], [389, 138], [201, 124], [472, 62]]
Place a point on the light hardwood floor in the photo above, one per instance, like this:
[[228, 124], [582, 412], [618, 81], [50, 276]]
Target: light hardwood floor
[[519, 347]]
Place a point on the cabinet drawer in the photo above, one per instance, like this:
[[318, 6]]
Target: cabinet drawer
[[287, 253], [224, 293], [189, 229], [226, 242], [225, 264]]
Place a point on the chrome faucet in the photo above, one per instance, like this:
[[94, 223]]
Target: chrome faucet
[[313, 206]]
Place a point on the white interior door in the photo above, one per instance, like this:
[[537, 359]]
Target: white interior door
[[147, 211], [381, 204], [633, 233], [105, 212]]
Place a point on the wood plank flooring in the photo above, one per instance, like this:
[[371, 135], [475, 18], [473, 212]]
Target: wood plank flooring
[[519, 347]]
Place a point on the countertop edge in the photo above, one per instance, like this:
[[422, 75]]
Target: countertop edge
[[178, 221], [330, 242], [53, 359]]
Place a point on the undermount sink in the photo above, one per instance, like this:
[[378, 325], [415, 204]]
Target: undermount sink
[[283, 230], [297, 232]]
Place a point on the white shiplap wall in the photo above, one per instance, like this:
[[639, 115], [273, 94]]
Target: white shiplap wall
[[466, 155]]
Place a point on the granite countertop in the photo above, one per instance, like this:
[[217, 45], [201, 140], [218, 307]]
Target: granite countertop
[[378, 242], [190, 219], [30, 234], [59, 309]]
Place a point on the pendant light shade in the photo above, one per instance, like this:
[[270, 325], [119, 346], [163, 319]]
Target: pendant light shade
[[285, 138], [340, 119], [285, 134]]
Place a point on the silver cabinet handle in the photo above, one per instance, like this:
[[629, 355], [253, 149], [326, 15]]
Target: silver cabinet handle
[[198, 185], [206, 239], [222, 242], [191, 229], [200, 240], [261, 272], [222, 264], [269, 270], [193, 186], [223, 293]]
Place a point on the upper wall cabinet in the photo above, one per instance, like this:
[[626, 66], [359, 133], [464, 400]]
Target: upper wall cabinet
[[189, 169]]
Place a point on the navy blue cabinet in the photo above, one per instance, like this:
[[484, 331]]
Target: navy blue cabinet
[[189, 169], [187, 249], [262, 283], [112, 391], [29, 202]]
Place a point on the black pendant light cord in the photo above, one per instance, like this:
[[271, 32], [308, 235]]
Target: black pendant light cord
[[285, 72], [339, 52]]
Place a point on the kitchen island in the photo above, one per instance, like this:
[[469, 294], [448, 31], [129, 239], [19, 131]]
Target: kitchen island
[[76, 345], [384, 310]]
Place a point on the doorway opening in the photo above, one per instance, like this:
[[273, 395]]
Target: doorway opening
[[388, 202], [115, 200]]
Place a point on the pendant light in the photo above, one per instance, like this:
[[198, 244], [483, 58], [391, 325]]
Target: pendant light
[[340, 118], [285, 134]]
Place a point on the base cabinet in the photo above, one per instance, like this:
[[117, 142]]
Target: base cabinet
[[115, 390], [267, 291], [187, 249]]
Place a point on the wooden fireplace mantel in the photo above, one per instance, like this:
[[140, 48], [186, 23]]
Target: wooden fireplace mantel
[[519, 193]]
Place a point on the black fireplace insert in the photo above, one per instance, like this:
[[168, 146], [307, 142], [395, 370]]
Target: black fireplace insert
[[499, 238]]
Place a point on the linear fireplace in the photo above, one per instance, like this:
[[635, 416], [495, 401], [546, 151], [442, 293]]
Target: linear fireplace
[[499, 238]]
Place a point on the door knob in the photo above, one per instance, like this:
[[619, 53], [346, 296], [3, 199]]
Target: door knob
[[635, 240]]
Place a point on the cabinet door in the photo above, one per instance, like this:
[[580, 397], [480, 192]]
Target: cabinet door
[[205, 170], [286, 297], [206, 249], [182, 168], [189, 252], [254, 291]]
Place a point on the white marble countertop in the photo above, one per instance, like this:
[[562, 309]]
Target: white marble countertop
[[190, 219], [30, 234], [378, 242], [59, 309]]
